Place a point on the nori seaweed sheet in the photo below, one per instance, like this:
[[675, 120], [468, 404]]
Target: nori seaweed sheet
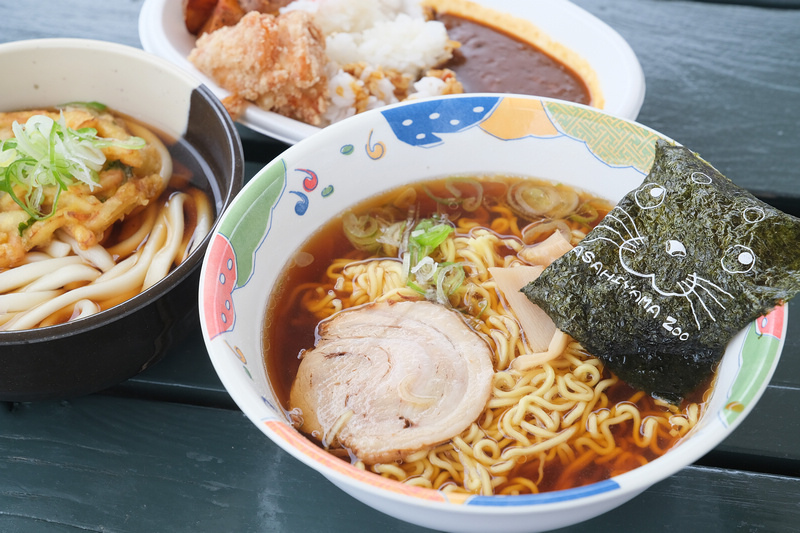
[[671, 274]]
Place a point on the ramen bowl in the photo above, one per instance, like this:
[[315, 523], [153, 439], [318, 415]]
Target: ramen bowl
[[96, 352], [320, 177]]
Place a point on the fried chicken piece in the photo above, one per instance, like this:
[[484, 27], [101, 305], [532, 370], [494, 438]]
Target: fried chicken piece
[[276, 62], [225, 13], [205, 16], [196, 13]]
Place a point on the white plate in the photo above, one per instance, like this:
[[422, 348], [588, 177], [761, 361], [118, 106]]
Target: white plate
[[619, 74]]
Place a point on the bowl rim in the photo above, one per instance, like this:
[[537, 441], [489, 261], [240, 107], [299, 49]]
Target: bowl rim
[[156, 22], [632, 482], [79, 43], [185, 269]]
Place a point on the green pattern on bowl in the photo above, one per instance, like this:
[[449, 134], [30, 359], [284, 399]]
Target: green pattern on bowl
[[250, 217], [615, 141]]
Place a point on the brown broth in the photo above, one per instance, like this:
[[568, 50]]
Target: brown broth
[[290, 329], [591, 467], [285, 340], [490, 60]]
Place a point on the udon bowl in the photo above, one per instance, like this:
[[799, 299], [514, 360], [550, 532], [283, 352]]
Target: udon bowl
[[94, 353], [313, 181]]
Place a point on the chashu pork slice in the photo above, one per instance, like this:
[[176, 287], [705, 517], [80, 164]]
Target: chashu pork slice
[[388, 379]]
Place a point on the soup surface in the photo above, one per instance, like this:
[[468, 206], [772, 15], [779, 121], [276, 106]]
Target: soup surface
[[553, 422]]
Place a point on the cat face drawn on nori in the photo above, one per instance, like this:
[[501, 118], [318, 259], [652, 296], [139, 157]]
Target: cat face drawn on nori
[[667, 278], [672, 269]]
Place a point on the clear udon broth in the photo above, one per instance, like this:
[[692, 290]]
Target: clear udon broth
[[567, 423]]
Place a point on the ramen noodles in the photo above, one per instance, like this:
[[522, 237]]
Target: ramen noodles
[[553, 416]]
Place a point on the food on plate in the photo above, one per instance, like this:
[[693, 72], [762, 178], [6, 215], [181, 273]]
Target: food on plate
[[205, 16], [554, 417], [525, 69], [671, 274], [347, 56], [197, 14], [276, 62], [93, 210]]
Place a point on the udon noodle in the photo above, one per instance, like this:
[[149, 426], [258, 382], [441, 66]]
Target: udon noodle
[[562, 423], [105, 242]]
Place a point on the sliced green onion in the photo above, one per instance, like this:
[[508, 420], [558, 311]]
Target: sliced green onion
[[391, 238], [47, 153], [97, 106], [541, 229], [425, 270], [370, 233], [361, 231], [449, 278], [417, 288], [531, 200], [448, 201], [435, 281], [468, 203], [586, 214], [428, 235]]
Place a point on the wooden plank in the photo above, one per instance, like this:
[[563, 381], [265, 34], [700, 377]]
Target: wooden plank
[[709, 500], [88, 19], [114, 464], [783, 4], [722, 80], [767, 439], [787, 375]]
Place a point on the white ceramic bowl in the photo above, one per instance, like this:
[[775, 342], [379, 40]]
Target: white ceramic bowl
[[618, 72], [73, 359], [364, 155]]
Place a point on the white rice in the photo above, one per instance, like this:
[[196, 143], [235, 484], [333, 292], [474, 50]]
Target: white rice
[[352, 16], [408, 45], [342, 87], [426, 87], [342, 96], [387, 34]]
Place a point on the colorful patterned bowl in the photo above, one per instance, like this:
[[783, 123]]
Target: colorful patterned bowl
[[321, 176]]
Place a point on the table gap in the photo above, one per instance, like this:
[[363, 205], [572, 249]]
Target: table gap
[[757, 464]]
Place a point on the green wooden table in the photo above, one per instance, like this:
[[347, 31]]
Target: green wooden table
[[169, 451]]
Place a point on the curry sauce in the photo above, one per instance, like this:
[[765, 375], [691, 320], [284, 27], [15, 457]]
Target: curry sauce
[[490, 60]]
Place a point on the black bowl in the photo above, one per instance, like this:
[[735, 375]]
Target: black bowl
[[99, 351]]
